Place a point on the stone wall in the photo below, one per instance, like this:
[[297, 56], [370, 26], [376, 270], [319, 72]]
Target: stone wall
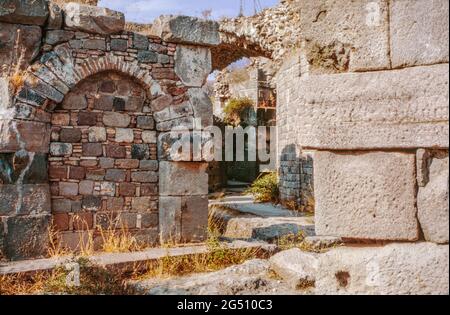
[[85, 118], [367, 93]]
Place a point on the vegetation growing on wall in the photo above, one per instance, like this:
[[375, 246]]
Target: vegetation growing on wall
[[265, 188], [237, 110]]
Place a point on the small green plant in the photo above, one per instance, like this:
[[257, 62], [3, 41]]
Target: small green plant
[[265, 188], [236, 110]]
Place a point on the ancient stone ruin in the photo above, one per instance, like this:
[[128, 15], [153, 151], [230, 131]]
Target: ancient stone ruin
[[362, 93]]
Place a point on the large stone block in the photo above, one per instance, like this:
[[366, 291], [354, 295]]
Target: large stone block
[[29, 39], [419, 32], [356, 33], [202, 105], [193, 65], [24, 11], [366, 195], [400, 269], [186, 30], [23, 167], [170, 219], [93, 19], [27, 237], [183, 178], [194, 218], [432, 199], [405, 108], [28, 135], [296, 267]]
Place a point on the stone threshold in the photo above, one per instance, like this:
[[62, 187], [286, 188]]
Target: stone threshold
[[124, 260]]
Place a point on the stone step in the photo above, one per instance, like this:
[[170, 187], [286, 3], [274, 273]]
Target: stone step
[[268, 229]]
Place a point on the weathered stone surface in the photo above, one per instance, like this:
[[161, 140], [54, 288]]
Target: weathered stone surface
[[55, 17], [268, 229], [186, 30], [362, 26], [27, 237], [124, 135], [5, 98], [432, 201], [140, 41], [250, 278], [93, 149], [194, 218], [115, 175], [93, 19], [60, 149], [195, 178], [74, 101], [23, 168], [119, 44], [24, 11], [144, 177], [29, 40], [146, 56], [112, 119], [385, 109], [49, 77], [366, 195], [97, 134], [193, 65], [116, 151], [29, 199], [28, 135], [96, 44], [170, 219], [143, 204], [296, 267], [43, 88], [419, 32], [70, 135], [399, 269], [58, 36], [149, 136], [151, 165], [202, 105], [140, 151], [145, 122]]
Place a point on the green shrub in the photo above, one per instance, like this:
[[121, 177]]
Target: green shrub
[[265, 188], [236, 110]]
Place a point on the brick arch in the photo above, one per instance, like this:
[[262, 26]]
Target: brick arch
[[55, 75], [114, 63]]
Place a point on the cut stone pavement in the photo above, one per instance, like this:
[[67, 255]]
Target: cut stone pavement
[[243, 218]]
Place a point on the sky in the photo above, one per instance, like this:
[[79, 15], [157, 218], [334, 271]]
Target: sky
[[145, 11]]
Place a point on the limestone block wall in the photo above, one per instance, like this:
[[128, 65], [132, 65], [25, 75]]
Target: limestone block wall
[[367, 92], [86, 111]]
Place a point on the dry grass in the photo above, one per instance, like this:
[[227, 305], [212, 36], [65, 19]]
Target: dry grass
[[94, 280], [116, 238], [218, 257]]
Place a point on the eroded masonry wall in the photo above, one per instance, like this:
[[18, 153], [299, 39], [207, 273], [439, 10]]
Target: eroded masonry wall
[[367, 93], [86, 113]]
